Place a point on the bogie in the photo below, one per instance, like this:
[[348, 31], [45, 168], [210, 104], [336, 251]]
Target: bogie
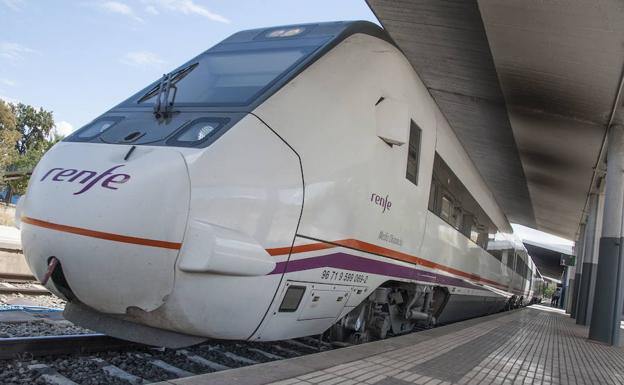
[[393, 309]]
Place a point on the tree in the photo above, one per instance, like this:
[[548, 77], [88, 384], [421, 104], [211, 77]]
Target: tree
[[27, 162], [33, 125], [33, 128], [8, 136]]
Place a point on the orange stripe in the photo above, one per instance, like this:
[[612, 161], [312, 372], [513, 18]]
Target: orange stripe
[[102, 235], [371, 248], [299, 249], [385, 252]]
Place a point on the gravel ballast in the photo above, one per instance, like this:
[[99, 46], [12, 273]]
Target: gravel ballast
[[40, 328], [46, 300]]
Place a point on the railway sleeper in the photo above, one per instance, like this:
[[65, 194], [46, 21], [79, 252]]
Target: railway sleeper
[[236, 357], [180, 373], [202, 361], [300, 344], [266, 354], [287, 351], [50, 375], [117, 372], [320, 344]]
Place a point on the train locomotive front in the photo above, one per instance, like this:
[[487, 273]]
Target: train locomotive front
[[162, 213]]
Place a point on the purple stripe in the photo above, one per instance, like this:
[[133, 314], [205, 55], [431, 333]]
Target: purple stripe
[[365, 265]]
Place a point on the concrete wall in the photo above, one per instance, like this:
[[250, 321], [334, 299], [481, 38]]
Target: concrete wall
[[7, 215], [13, 262]]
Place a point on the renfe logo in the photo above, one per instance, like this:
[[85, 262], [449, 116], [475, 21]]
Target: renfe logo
[[88, 178], [381, 201]]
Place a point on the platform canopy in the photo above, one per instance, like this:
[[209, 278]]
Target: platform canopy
[[547, 257], [529, 86]]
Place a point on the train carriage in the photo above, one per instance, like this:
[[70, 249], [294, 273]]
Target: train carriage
[[289, 181]]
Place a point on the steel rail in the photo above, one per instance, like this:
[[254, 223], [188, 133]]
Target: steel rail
[[20, 279], [13, 277], [23, 290]]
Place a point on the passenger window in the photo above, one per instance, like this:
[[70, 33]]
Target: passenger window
[[433, 193], [446, 209], [498, 254], [474, 234], [457, 217], [450, 200], [511, 261], [413, 153]]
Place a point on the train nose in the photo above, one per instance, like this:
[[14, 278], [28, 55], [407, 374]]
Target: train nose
[[114, 218]]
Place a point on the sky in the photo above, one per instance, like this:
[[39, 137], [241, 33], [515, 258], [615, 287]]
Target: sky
[[79, 58]]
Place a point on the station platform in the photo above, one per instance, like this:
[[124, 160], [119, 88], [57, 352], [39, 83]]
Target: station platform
[[535, 345]]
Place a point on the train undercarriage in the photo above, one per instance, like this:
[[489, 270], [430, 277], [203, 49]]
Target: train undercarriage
[[392, 309], [397, 308]]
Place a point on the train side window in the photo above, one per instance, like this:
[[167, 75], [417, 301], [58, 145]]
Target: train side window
[[450, 200], [433, 193], [413, 153], [467, 223], [505, 256], [474, 234], [446, 209], [457, 217], [498, 254], [510, 259]]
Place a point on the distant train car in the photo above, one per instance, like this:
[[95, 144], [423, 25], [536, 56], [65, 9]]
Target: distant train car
[[289, 181], [538, 286]]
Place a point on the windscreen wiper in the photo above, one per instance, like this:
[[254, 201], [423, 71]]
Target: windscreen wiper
[[166, 90]]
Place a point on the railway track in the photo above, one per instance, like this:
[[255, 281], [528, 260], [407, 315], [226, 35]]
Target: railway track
[[16, 347], [11, 283], [17, 278], [89, 359], [79, 359]]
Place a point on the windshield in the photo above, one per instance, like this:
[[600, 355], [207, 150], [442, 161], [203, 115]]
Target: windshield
[[230, 78]]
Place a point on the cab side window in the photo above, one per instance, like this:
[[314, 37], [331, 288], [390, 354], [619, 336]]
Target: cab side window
[[413, 153]]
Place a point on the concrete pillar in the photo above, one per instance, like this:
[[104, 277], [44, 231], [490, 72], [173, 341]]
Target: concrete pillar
[[567, 299], [607, 312], [564, 288], [594, 276], [590, 261], [579, 251]]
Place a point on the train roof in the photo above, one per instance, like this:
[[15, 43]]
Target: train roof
[[330, 32]]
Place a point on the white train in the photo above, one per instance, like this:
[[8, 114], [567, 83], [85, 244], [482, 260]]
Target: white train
[[287, 182]]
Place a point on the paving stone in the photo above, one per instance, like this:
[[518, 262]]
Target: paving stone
[[526, 347], [457, 362], [375, 379], [333, 381], [290, 381], [311, 375], [319, 379], [393, 381]]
